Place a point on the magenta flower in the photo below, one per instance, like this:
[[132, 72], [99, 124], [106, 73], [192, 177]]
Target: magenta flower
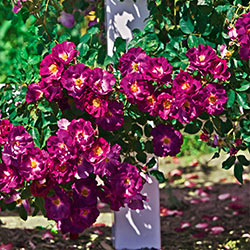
[[75, 79], [18, 6], [61, 147], [244, 51], [219, 69], [79, 220], [113, 118], [232, 33], [135, 87], [186, 109], [165, 105], [64, 52], [50, 68], [101, 81], [166, 140], [58, 205], [110, 164], [66, 19], [41, 187], [149, 104], [242, 27], [84, 193], [159, 70], [33, 164], [98, 151], [62, 172], [9, 179], [82, 133], [184, 83], [84, 168], [135, 60], [19, 141], [5, 128], [34, 93], [201, 58], [213, 97], [52, 90], [94, 104]]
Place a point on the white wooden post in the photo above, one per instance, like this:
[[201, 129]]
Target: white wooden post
[[133, 229]]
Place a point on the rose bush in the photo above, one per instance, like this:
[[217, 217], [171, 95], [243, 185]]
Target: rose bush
[[78, 126]]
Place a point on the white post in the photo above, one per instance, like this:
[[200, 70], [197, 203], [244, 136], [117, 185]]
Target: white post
[[133, 229]]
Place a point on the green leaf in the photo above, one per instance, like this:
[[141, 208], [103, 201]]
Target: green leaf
[[186, 25], [141, 157], [83, 49], [216, 155], [243, 160], [231, 98], [147, 130], [22, 212], [238, 170], [158, 175], [85, 38], [193, 127], [192, 41], [245, 85], [40, 203], [151, 163], [228, 163], [93, 30], [242, 100], [209, 126]]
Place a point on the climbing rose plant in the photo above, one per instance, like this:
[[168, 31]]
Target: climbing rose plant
[[78, 127]]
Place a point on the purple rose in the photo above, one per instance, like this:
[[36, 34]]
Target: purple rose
[[75, 79], [201, 58], [113, 118], [52, 89], [219, 69], [66, 19], [101, 81], [5, 128], [34, 93], [166, 140], [64, 52]]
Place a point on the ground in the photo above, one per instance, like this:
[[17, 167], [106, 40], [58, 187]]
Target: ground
[[202, 207]]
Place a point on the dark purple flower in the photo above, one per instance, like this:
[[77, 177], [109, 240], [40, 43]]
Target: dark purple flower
[[84, 192], [186, 109], [166, 140], [113, 118], [165, 105], [61, 146], [64, 52], [185, 83], [110, 164], [79, 220], [98, 151], [34, 93], [242, 27], [219, 69], [52, 90], [41, 187], [245, 51], [62, 172], [19, 141], [84, 168], [9, 179], [58, 205], [132, 61], [18, 6], [94, 104], [135, 87], [66, 19], [201, 58], [82, 133], [50, 68], [5, 128], [32, 164], [159, 70], [75, 79], [212, 98], [101, 81]]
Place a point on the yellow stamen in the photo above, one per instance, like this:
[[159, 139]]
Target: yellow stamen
[[64, 56], [166, 140], [78, 82], [134, 87], [84, 212], [202, 58], [150, 99], [33, 163], [212, 99], [135, 66], [57, 202], [85, 192], [186, 104], [98, 150], [185, 86], [96, 102], [167, 104], [62, 168], [127, 181], [53, 68]]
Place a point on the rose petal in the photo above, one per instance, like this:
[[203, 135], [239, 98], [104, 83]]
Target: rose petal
[[192, 176], [217, 230], [202, 225], [223, 197], [189, 184]]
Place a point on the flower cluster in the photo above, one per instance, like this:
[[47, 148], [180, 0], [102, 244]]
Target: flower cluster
[[242, 27], [89, 88], [65, 174], [18, 4], [145, 77]]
